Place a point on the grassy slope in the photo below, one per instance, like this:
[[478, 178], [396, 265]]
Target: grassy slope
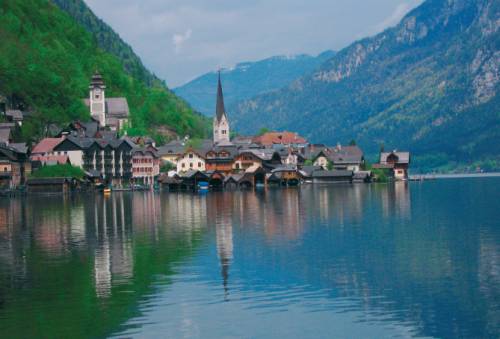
[[46, 60]]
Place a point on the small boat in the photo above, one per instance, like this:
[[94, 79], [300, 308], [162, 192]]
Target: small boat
[[106, 191], [203, 186]]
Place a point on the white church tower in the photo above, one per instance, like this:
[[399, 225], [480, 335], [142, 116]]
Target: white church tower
[[97, 99], [221, 123]]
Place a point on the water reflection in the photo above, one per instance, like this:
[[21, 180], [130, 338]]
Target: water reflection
[[356, 260]]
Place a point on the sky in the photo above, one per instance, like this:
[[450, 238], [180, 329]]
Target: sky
[[179, 40]]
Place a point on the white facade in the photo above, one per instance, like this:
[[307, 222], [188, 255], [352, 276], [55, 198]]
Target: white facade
[[221, 130], [98, 104], [190, 161], [75, 158], [321, 161]]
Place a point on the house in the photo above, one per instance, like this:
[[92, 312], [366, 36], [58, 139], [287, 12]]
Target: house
[[73, 147], [346, 158], [109, 112], [190, 160], [362, 176], [396, 162], [307, 171], [171, 183], [280, 138], [15, 166], [221, 159], [112, 158], [285, 176], [6, 131], [172, 151], [51, 185], [191, 178], [145, 166], [221, 131], [331, 177], [15, 116], [252, 177], [322, 158], [216, 180], [44, 152], [293, 157], [266, 158]]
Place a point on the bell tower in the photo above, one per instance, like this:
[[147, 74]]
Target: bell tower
[[221, 123], [97, 99]]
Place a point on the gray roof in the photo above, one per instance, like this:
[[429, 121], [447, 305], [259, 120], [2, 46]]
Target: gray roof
[[15, 114], [331, 174], [235, 177], [284, 168], [191, 173], [20, 147], [8, 125], [115, 107], [403, 157], [173, 147], [144, 151], [5, 135], [261, 153], [220, 110]]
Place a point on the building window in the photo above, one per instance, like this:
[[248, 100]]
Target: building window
[[183, 165], [190, 155], [199, 164], [223, 131], [191, 165]]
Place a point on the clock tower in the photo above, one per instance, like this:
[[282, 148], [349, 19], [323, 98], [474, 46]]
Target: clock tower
[[97, 99]]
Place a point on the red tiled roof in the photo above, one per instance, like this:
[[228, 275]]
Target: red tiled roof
[[271, 138], [46, 145]]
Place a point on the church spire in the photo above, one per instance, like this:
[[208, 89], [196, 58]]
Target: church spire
[[220, 109]]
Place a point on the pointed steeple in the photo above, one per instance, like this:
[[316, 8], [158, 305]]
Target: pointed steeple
[[220, 110]]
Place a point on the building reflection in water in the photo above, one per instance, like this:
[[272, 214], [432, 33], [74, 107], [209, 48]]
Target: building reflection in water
[[395, 198]]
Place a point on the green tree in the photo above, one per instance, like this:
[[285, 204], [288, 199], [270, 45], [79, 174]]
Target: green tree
[[263, 131]]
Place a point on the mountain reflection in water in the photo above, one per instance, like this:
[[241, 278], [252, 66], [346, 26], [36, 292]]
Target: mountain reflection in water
[[418, 259]]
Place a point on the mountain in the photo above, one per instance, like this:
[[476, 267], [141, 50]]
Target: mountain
[[249, 79], [429, 85], [46, 61], [107, 39]]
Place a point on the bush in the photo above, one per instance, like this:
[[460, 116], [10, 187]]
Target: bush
[[59, 171]]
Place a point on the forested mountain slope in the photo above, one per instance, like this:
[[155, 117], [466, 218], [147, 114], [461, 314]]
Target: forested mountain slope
[[47, 59], [429, 85]]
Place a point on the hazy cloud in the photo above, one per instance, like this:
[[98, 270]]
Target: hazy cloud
[[181, 39]]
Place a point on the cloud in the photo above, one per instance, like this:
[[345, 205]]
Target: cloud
[[393, 19], [179, 39]]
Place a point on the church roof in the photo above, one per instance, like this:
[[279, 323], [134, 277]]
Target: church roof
[[97, 80], [115, 107], [220, 110]]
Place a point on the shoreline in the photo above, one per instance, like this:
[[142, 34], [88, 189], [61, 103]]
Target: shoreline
[[416, 177]]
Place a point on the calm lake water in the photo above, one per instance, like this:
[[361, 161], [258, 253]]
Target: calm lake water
[[360, 261]]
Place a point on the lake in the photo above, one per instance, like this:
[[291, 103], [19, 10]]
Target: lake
[[419, 259]]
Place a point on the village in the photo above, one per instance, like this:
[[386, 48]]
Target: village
[[113, 161]]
